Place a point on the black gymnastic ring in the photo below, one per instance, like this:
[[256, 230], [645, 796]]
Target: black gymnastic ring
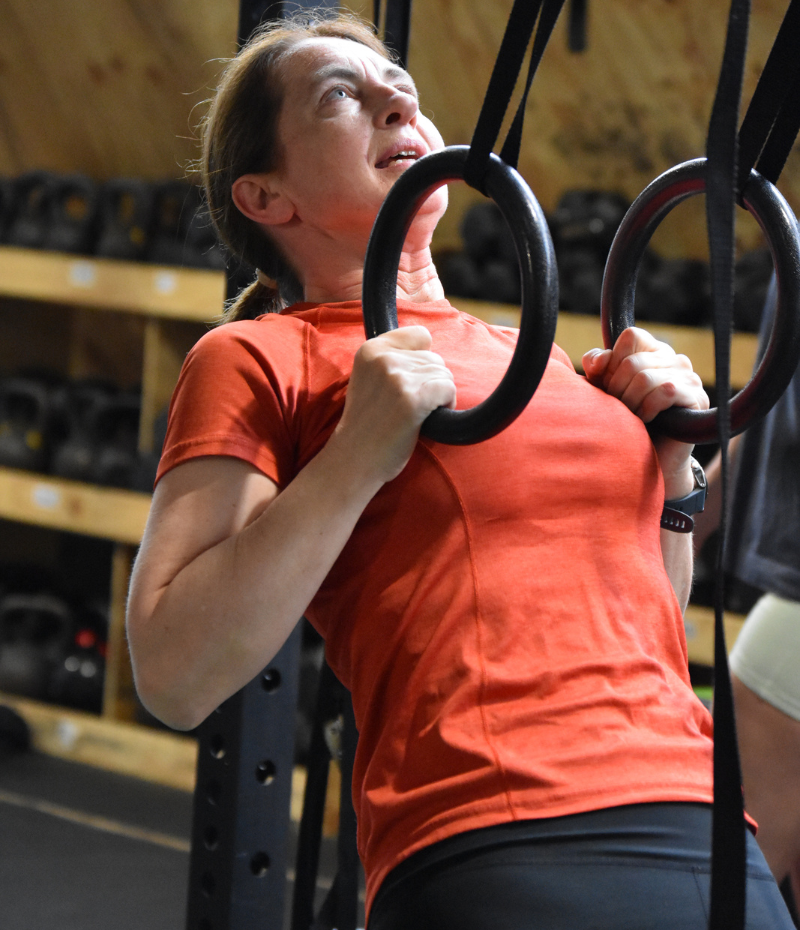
[[539, 285], [779, 225]]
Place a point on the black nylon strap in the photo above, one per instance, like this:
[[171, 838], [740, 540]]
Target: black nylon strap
[[396, 23], [727, 911], [770, 125], [397, 28], [547, 22], [501, 86], [784, 133], [576, 34]]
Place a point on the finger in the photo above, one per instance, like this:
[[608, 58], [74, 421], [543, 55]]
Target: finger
[[405, 337], [595, 363], [654, 390], [417, 359], [630, 342], [438, 392], [662, 357]]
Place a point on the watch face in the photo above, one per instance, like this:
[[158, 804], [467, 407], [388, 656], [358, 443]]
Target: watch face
[[699, 474]]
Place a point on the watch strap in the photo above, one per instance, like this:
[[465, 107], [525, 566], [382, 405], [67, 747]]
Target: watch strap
[[677, 514], [676, 521]]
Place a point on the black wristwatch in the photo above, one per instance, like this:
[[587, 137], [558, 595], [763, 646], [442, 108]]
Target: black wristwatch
[[677, 514]]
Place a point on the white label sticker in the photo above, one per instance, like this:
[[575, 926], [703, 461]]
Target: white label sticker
[[67, 733], [46, 496], [165, 282], [83, 274]]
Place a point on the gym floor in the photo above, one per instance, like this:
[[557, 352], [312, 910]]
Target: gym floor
[[85, 849]]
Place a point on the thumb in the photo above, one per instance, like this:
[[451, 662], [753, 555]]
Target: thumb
[[594, 363]]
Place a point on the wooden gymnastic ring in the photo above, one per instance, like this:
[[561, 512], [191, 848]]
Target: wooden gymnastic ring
[[779, 225], [538, 275]]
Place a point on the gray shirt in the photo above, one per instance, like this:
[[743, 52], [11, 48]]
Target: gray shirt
[[764, 517]]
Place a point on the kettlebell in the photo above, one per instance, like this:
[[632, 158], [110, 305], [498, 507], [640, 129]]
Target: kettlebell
[[76, 409], [34, 631], [77, 679], [116, 432], [24, 423], [72, 203], [30, 212], [126, 219]]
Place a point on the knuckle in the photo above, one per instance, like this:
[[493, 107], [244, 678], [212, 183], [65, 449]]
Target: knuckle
[[368, 350], [627, 338], [643, 380]]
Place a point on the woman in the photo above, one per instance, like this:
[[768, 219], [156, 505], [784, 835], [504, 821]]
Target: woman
[[507, 616]]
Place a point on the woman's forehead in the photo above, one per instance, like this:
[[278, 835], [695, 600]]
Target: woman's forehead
[[316, 58]]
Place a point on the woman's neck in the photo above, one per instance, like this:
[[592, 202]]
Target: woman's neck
[[417, 280]]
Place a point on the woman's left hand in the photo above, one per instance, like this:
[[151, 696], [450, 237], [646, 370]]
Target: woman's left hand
[[648, 376]]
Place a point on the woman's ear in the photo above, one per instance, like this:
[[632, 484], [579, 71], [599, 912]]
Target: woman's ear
[[259, 198]]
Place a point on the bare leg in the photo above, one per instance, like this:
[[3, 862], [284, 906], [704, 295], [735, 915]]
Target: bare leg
[[769, 745]]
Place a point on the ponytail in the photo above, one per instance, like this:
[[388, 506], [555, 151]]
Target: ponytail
[[264, 295], [252, 301]]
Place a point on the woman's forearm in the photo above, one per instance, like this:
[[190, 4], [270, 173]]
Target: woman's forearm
[[225, 614], [676, 548]]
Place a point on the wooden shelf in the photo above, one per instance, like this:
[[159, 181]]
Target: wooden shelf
[[699, 625], [42, 500], [198, 295], [575, 334], [160, 756], [150, 290]]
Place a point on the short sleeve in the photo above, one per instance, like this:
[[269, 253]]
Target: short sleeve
[[236, 395]]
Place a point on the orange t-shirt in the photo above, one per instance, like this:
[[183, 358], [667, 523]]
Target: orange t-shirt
[[501, 612]]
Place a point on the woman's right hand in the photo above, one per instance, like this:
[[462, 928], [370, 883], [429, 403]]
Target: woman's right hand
[[396, 382]]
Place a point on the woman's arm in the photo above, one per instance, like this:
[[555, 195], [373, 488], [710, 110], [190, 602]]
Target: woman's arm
[[648, 377], [707, 522], [228, 564]]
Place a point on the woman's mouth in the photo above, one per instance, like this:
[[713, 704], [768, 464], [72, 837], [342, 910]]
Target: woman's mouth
[[403, 156]]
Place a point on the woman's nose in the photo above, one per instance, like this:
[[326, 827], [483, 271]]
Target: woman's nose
[[396, 107]]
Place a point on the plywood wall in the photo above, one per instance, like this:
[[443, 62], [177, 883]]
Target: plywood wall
[[635, 103], [107, 87], [113, 87]]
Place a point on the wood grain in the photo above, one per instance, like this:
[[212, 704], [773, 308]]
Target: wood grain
[[114, 88]]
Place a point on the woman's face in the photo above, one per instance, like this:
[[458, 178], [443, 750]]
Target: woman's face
[[350, 125]]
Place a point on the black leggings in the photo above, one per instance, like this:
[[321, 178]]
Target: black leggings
[[640, 867]]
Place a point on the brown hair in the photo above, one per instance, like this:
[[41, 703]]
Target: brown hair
[[239, 136]]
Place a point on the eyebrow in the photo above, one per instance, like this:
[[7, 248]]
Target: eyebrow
[[342, 72]]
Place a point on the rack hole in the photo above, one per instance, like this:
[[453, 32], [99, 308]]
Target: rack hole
[[208, 883], [259, 864], [213, 791], [265, 772], [217, 746], [211, 837], [271, 680]]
